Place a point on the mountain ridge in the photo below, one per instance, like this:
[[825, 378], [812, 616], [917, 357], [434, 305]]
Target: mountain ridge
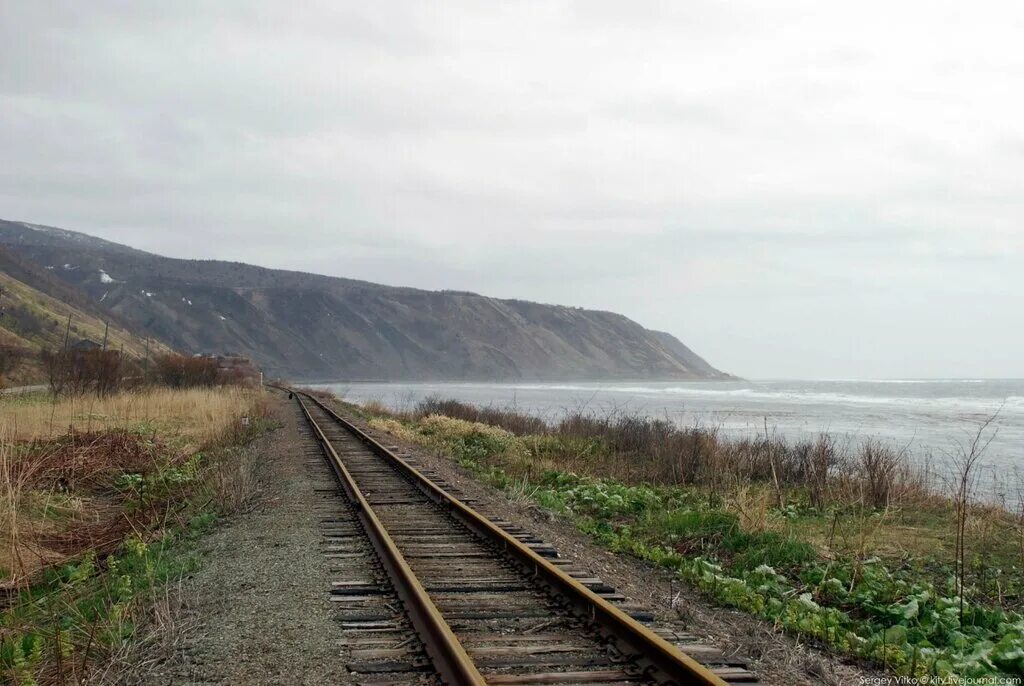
[[306, 325]]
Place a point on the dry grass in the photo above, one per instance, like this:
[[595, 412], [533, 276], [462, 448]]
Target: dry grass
[[233, 479], [106, 488], [510, 420], [752, 505], [57, 497], [196, 415], [59, 461], [13, 484], [161, 628], [375, 407]]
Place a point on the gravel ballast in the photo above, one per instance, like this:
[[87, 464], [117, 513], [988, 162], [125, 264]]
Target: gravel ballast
[[257, 610]]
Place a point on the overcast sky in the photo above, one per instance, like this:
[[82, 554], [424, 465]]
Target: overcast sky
[[794, 189]]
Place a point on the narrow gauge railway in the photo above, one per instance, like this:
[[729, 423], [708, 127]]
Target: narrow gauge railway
[[489, 604]]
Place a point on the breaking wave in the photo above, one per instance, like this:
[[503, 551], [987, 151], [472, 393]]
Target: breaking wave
[[794, 397]]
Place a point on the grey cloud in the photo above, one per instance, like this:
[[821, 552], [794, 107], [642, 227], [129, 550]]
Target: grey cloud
[[707, 168]]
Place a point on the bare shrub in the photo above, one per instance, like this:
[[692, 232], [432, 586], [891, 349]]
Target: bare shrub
[[510, 420], [182, 371], [1018, 520], [233, 480], [879, 467], [965, 463], [77, 372], [818, 460], [9, 356], [55, 365]]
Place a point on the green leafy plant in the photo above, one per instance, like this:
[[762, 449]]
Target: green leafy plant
[[897, 617]]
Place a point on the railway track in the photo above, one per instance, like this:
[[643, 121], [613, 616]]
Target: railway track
[[441, 592]]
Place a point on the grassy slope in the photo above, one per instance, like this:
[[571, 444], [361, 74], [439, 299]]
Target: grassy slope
[[39, 320], [32, 320]]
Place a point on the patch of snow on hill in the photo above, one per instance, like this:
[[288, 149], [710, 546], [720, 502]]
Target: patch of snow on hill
[[42, 229], [64, 233]]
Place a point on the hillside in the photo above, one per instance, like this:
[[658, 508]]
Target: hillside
[[34, 311], [308, 326]]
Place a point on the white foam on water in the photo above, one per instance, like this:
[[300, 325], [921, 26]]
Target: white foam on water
[[905, 381], [1011, 403]]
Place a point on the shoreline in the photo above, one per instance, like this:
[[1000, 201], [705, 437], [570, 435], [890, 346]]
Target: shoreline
[[929, 421], [849, 550]]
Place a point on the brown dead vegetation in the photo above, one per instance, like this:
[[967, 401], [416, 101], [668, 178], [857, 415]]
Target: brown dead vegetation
[[182, 371], [99, 372], [108, 472], [637, 449]]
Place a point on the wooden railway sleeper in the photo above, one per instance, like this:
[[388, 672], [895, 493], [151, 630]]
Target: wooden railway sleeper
[[654, 657]]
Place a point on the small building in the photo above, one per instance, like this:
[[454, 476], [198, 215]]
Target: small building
[[85, 345], [239, 368]]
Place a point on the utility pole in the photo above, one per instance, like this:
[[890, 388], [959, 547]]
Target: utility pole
[[106, 328], [67, 334]]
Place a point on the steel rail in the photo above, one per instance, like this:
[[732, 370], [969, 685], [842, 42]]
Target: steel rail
[[656, 656], [448, 655]]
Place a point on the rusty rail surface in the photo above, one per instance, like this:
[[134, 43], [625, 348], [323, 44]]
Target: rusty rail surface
[[654, 657], [448, 655]]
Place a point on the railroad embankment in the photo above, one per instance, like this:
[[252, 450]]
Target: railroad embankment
[[853, 550], [101, 502]]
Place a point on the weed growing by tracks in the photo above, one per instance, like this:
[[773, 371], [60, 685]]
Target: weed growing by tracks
[[749, 545], [97, 523]]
